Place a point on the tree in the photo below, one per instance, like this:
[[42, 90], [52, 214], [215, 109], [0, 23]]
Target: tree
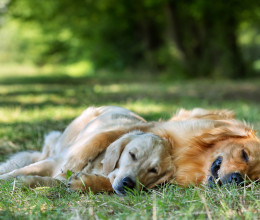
[[121, 34]]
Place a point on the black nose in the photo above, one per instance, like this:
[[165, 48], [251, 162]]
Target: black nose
[[128, 183], [235, 178], [125, 184]]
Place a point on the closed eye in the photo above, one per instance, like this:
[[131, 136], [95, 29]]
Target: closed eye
[[153, 170], [133, 156], [244, 156], [215, 167]]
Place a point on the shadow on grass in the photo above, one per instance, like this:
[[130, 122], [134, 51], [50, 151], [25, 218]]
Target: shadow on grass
[[42, 92], [19, 136], [61, 78], [48, 79], [135, 87]]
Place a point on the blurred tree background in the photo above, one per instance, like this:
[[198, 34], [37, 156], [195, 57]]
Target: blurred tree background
[[180, 38]]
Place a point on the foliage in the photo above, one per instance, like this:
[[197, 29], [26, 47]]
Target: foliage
[[183, 38]]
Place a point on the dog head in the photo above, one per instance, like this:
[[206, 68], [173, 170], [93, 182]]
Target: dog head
[[234, 156], [138, 156], [236, 159]]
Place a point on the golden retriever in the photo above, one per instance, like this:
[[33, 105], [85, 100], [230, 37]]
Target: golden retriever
[[103, 145], [225, 154], [100, 162]]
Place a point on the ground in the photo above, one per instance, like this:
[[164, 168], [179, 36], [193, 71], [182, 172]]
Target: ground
[[33, 104]]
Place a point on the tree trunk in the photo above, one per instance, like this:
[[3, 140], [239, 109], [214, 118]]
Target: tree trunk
[[208, 44], [237, 65]]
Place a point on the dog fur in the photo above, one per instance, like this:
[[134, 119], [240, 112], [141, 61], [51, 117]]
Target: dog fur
[[199, 146], [101, 157]]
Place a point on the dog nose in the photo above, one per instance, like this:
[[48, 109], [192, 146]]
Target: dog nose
[[123, 185], [128, 182], [235, 178]]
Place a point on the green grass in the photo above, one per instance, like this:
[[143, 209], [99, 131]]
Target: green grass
[[33, 104]]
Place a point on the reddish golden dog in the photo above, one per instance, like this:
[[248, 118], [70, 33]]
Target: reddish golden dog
[[227, 153], [110, 148]]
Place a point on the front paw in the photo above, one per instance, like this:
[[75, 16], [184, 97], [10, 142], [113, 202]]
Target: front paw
[[77, 182]]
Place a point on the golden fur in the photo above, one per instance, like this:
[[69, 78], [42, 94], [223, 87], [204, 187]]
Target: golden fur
[[101, 155], [192, 143]]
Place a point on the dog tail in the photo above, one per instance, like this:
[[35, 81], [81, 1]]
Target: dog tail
[[20, 160]]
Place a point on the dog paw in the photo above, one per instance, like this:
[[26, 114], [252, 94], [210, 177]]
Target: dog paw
[[77, 182]]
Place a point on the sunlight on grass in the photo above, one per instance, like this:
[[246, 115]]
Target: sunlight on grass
[[146, 107], [34, 103], [83, 68], [17, 114], [134, 88], [256, 65], [79, 69]]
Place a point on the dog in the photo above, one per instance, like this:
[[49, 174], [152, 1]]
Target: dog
[[231, 152], [203, 147], [118, 165], [140, 156], [200, 113]]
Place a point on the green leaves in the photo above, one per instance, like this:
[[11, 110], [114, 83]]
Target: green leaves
[[69, 174]]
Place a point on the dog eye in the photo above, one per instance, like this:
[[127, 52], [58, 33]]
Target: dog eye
[[215, 167], [244, 156], [133, 156], [153, 170]]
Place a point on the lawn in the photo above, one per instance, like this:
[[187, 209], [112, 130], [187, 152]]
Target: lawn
[[33, 104]]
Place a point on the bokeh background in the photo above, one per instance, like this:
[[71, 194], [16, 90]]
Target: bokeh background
[[170, 38], [57, 57]]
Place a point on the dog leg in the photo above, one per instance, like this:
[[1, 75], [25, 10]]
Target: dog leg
[[34, 181], [83, 151], [19, 160], [83, 182], [41, 168]]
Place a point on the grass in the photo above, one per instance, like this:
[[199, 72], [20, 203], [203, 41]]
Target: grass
[[33, 104]]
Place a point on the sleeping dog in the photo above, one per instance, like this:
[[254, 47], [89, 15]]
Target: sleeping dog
[[100, 163], [111, 148]]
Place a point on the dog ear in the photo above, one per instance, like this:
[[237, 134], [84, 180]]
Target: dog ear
[[114, 151], [165, 178], [232, 129]]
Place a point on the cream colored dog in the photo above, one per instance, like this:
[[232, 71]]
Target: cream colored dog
[[97, 164]]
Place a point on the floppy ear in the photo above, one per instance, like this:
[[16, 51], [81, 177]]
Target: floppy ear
[[114, 151], [233, 129], [165, 178]]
